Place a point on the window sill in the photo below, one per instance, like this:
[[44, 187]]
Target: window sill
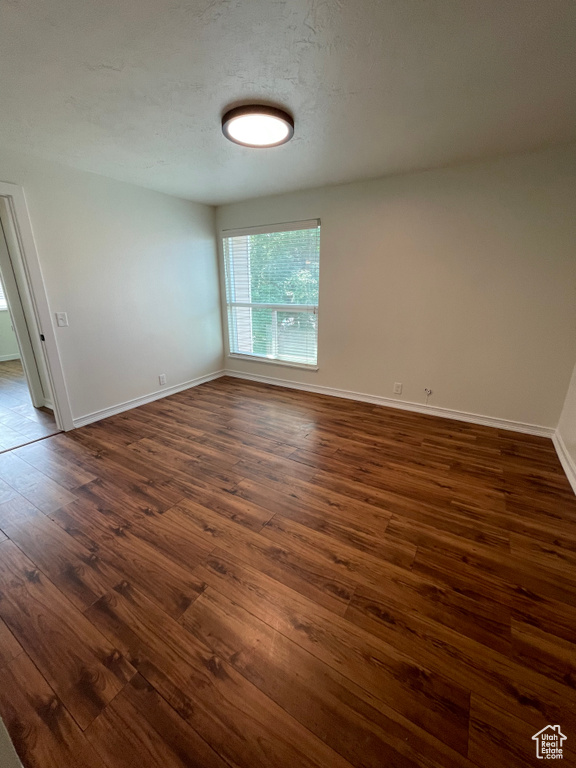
[[269, 361]]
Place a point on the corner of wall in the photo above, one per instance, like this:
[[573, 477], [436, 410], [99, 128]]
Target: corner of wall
[[565, 434], [568, 463]]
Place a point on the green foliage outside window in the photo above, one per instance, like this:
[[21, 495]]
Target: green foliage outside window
[[284, 269]]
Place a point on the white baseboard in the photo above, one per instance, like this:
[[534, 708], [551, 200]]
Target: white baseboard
[[446, 413], [568, 464], [9, 357], [81, 421], [566, 460]]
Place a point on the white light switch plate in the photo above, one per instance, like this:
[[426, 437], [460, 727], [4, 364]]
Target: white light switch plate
[[62, 319]]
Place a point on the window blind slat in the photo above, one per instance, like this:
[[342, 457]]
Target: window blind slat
[[287, 226], [272, 292]]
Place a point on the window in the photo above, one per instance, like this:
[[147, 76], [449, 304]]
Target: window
[[272, 291], [3, 304]]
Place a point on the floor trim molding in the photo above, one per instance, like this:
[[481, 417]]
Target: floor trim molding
[[566, 460], [446, 413], [6, 358], [81, 421]]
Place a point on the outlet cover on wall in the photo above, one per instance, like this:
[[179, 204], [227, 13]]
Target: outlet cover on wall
[[162, 378], [398, 388]]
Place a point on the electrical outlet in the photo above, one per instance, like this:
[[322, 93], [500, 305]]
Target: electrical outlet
[[162, 378], [397, 388]]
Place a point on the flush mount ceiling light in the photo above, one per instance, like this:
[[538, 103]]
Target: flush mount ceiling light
[[255, 125]]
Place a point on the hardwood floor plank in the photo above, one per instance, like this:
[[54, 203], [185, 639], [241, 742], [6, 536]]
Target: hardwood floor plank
[[421, 534], [552, 553], [338, 642], [170, 585], [170, 448], [239, 722], [551, 655], [9, 646], [485, 565], [229, 505], [188, 468], [524, 692], [352, 524], [241, 574], [359, 566], [140, 728], [558, 619], [406, 482], [76, 571], [499, 738], [146, 492], [42, 457], [33, 485], [229, 439], [84, 670], [302, 569], [267, 657], [305, 495], [168, 533], [467, 611], [42, 730]]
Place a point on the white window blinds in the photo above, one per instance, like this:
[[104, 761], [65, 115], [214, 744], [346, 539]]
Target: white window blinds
[[3, 304], [272, 291]]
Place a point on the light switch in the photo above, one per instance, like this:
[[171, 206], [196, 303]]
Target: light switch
[[62, 319]]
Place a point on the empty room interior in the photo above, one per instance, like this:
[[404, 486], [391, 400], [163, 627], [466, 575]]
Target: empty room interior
[[287, 383]]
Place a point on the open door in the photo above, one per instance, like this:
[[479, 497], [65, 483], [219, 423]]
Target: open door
[[40, 393]]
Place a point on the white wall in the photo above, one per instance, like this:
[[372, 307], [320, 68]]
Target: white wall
[[8, 343], [462, 280], [136, 272]]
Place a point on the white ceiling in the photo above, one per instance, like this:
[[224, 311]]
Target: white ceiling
[[134, 89]]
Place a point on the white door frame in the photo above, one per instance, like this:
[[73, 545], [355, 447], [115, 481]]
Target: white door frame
[[41, 320]]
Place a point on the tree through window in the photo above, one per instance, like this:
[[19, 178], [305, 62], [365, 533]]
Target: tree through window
[[272, 276]]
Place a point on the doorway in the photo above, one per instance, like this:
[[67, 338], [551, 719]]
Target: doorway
[[26, 404], [44, 408], [26, 296]]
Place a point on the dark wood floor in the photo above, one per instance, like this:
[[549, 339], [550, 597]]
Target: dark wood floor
[[20, 422], [250, 576]]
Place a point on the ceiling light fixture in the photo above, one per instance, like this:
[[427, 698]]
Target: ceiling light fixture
[[256, 125]]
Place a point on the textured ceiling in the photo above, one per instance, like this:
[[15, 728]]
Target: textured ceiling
[[134, 89]]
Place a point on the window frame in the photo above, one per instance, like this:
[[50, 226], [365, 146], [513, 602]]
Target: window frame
[[313, 308]]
